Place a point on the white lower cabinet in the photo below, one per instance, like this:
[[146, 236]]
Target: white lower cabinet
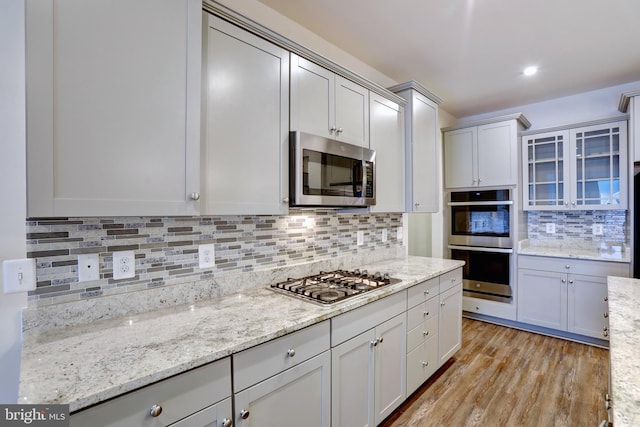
[[450, 321], [298, 395], [566, 294], [197, 398], [285, 381], [368, 369]]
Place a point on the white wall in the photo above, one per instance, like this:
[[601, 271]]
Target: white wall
[[584, 107], [12, 187]]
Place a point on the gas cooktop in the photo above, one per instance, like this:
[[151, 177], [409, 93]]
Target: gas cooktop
[[334, 286]]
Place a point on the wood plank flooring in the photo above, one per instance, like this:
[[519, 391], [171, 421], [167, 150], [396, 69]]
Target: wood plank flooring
[[505, 377]]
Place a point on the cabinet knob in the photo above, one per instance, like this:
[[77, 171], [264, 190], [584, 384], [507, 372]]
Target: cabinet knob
[[564, 281], [426, 292], [567, 266], [339, 130], [425, 364], [571, 281], [373, 343], [291, 352], [244, 414], [605, 333], [195, 196], [285, 200], [425, 313], [155, 410], [606, 314], [226, 422], [606, 299], [425, 333], [442, 304], [332, 129], [477, 307], [416, 204], [380, 339]]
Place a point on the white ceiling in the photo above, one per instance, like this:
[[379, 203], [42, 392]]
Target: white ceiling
[[471, 53]]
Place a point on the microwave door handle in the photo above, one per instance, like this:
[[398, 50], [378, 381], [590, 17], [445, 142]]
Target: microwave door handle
[[357, 174]]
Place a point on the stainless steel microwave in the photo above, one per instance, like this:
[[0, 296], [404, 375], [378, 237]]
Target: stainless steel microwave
[[328, 173]]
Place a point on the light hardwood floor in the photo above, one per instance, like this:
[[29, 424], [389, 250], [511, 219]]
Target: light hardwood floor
[[506, 377]]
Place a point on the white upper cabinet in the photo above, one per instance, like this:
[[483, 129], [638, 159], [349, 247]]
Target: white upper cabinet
[[113, 107], [421, 147], [387, 139], [326, 104], [245, 123], [484, 154], [581, 167]]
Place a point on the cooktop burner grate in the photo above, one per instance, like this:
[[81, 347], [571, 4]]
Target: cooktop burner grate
[[330, 287]]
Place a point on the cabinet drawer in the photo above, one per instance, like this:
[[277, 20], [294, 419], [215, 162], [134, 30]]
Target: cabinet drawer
[[576, 266], [179, 396], [450, 279], [424, 331], [265, 360], [422, 312], [423, 291], [355, 322], [422, 362]]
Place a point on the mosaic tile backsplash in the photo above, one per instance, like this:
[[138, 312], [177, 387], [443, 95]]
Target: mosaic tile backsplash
[[166, 248], [578, 226]]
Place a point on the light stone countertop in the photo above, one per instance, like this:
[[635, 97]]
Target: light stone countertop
[[86, 364], [624, 350], [574, 250]]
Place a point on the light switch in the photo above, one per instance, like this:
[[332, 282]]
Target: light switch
[[19, 275]]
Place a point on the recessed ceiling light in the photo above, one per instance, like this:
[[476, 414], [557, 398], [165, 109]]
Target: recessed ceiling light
[[530, 71]]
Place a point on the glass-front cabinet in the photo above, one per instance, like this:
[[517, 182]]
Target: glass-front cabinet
[[576, 168]]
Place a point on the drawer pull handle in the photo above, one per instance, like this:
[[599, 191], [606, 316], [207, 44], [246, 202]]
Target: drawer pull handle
[[155, 410], [244, 414], [291, 352], [225, 423]]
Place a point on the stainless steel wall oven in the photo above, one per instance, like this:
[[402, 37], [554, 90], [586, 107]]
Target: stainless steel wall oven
[[481, 228]]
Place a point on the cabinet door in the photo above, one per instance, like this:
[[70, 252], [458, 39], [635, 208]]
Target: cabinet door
[[352, 375], [460, 169], [544, 178], [246, 123], [217, 415], [598, 168], [352, 112], [312, 98], [450, 323], [390, 368], [113, 107], [587, 305], [497, 154], [387, 139], [299, 394], [425, 164], [542, 298]]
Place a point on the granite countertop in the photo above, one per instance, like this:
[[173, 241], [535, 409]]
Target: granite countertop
[[577, 251], [624, 350], [86, 364]]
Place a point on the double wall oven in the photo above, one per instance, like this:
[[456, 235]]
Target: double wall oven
[[481, 228]]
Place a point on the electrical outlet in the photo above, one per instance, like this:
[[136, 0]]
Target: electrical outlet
[[400, 234], [124, 264], [206, 256], [384, 235], [88, 267], [598, 229], [360, 237], [550, 228], [19, 275]]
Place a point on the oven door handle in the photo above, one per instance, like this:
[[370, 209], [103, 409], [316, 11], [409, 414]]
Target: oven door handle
[[488, 203], [481, 249]]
